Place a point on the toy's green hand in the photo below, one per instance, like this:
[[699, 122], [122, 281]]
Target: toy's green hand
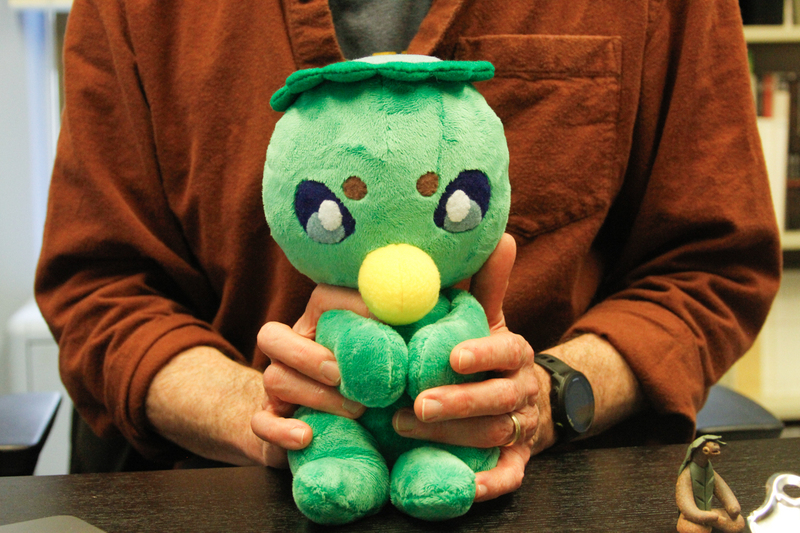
[[372, 357], [429, 349]]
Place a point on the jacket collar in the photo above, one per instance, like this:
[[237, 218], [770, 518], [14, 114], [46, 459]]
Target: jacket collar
[[313, 37]]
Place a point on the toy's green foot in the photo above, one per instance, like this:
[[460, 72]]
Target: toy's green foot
[[337, 491], [340, 476], [432, 484]]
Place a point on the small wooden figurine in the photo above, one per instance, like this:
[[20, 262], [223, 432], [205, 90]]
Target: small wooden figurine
[[697, 484]]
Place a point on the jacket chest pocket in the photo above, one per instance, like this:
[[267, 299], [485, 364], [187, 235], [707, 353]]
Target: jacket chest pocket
[[558, 98]]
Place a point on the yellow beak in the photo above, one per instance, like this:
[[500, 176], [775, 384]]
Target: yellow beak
[[399, 283]]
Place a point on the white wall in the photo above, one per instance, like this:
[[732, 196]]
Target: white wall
[[18, 242], [780, 352]]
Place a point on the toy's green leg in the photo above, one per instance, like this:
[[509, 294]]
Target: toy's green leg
[[432, 484], [340, 477], [372, 357], [430, 347], [379, 424], [478, 459]]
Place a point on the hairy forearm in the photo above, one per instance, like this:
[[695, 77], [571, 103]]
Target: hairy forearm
[[204, 401], [617, 392]]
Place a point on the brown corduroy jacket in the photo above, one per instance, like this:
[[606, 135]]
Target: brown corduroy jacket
[[640, 202]]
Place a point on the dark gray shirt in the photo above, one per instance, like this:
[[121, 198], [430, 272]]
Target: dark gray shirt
[[366, 27]]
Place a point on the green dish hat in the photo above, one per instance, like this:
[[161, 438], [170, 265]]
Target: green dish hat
[[410, 68]]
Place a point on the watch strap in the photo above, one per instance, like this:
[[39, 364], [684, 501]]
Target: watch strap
[[552, 364], [558, 371]]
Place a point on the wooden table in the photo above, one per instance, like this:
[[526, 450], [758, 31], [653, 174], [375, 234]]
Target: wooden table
[[614, 490]]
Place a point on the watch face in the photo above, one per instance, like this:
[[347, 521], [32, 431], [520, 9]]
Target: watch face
[[579, 402]]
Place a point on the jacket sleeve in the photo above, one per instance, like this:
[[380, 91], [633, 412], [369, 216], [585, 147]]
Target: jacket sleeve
[[116, 280], [691, 241]]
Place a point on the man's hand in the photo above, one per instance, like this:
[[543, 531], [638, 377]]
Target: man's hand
[[223, 410], [202, 401], [476, 414], [302, 372]]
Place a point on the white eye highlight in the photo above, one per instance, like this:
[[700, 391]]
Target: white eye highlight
[[330, 216], [458, 206]]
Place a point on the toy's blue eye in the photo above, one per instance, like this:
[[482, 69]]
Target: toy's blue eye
[[464, 202], [322, 214]]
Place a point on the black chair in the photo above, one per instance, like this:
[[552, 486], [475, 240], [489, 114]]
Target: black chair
[[736, 417], [25, 422]]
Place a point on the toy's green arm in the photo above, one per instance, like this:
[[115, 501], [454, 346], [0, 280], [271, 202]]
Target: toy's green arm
[[429, 349], [372, 357]]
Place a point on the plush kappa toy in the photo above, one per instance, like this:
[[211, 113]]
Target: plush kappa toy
[[389, 175]]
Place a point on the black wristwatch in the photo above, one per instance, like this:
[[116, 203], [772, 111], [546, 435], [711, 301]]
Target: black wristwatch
[[571, 398]]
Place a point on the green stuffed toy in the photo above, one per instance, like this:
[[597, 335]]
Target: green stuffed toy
[[390, 175]]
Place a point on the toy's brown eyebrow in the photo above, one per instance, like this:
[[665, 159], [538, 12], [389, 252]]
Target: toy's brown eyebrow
[[354, 188], [428, 183]]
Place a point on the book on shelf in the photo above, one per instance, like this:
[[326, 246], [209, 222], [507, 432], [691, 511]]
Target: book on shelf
[[792, 201], [778, 104]]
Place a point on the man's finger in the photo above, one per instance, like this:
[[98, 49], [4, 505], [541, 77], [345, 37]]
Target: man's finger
[[489, 284], [274, 456], [506, 476], [326, 298], [500, 351], [287, 433], [280, 343], [476, 432], [290, 386], [484, 398]]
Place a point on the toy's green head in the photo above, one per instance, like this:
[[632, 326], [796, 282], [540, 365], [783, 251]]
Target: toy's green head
[[374, 154]]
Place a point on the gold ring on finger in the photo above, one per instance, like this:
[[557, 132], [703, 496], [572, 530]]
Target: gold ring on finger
[[517, 430]]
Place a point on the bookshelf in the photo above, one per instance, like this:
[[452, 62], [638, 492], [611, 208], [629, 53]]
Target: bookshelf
[[776, 48], [790, 240], [786, 33], [770, 371]]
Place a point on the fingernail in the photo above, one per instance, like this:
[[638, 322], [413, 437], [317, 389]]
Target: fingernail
[[299, 435], [404, 421], [430, 410], [465, 359], [480, 491], [351, 407], [330, 371]]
